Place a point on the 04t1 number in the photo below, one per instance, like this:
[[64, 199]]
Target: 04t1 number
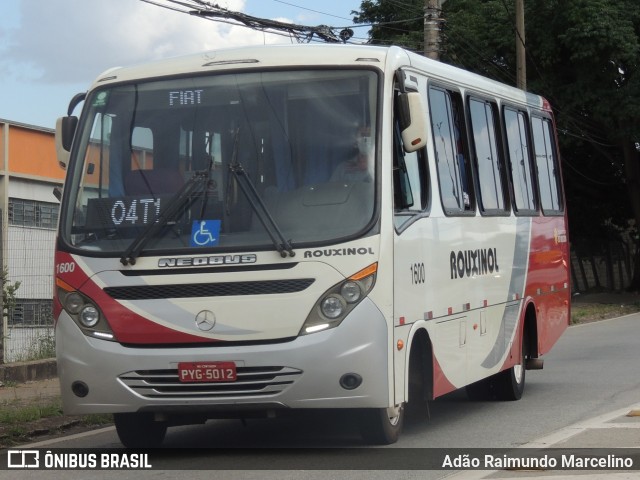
[[417, 273]]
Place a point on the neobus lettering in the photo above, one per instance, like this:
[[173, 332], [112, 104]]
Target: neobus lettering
[[204, 261], [339, 252], [470, 263]]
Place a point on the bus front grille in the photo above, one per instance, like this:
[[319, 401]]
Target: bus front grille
[[197, 290], [251, 382]]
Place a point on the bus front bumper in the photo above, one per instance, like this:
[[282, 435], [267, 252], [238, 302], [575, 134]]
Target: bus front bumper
[[311, 371]]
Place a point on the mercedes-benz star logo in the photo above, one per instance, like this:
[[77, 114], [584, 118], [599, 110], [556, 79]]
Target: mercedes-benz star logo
[[205, 320]]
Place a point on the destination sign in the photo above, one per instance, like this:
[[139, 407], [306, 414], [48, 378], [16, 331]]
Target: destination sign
[[122, 212]]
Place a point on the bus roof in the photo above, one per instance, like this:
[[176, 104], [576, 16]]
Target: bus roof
[[274, 56]]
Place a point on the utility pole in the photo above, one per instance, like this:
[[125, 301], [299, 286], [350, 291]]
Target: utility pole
[[432, 23], [521, 58]]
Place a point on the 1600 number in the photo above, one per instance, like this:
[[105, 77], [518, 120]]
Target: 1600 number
[[417, 273], [66, 267]]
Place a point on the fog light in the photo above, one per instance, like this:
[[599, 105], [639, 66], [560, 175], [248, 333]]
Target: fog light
[[80, 389], [350, 381]]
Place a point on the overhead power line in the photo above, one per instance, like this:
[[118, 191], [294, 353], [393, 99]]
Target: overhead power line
[[302, 33], [310, 9]]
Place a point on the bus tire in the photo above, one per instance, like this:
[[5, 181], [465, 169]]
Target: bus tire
[[139, 430], [480, 391], [510, 383], [381, 426]]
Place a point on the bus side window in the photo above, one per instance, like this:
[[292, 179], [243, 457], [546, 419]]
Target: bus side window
[[487, 156], [454, 173], [547, 166], [519, 160]]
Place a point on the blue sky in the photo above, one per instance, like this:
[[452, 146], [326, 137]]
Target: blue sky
[[53, 49]]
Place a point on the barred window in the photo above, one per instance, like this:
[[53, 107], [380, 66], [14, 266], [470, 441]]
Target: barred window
[[31, 313], [31, 213]]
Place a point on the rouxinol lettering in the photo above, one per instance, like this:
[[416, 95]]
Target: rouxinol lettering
[[471, 263], [338, 252]]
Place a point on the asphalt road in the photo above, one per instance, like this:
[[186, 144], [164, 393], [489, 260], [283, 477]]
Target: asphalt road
[[591, 371]]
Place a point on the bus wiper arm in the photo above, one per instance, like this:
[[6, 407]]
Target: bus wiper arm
[[175, 204], [283, 245]]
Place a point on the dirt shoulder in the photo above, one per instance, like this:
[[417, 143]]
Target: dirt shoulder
[[32, 410]]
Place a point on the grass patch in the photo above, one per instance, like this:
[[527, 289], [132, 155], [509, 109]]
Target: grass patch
[[18, 414], [20, 423], [97, 419], [38, 349], [592, 312]]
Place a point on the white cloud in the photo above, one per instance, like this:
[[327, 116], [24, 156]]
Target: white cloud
[[70, 41]]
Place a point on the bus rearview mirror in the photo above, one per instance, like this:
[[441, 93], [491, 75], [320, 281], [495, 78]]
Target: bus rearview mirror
[[65, 131], [414, 125]]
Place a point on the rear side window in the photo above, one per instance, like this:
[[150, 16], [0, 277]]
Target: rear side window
[[546, 165], [519, 158], [487, 156]]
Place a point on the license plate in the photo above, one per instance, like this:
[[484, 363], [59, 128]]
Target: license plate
[[192, 372]]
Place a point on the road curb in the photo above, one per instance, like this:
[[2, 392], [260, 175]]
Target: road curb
[[21, 372]]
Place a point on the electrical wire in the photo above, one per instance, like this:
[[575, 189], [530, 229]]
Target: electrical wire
[[502, 73], [214, 12], [311, 10]]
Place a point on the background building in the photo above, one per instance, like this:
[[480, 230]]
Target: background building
[[29, 172]]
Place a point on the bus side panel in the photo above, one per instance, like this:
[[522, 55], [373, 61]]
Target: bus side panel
[[548, 279], [465, 279]]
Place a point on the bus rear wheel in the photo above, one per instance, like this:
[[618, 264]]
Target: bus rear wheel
[[506, 385], [510, 383], [382, 426], [139, 430]]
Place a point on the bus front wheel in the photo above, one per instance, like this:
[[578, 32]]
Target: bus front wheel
[[382, 426], [139, 430]]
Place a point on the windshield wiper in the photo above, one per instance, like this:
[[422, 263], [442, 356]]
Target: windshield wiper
[[283, 246], [179, 200]]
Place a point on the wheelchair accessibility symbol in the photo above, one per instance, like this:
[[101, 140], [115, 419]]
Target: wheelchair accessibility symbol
[[205, 233]]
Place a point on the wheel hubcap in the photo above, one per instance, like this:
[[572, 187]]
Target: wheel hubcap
[[518, 370], [393, 414]]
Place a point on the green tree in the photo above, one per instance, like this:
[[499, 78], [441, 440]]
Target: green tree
[[393, 22], [8, 303], [8, 293], [584, 57]]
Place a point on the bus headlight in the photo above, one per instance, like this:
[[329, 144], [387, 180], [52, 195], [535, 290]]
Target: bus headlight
[[351, 292], [73, 303], [332, 307], [83, 311], [339, 300], [89, 317]]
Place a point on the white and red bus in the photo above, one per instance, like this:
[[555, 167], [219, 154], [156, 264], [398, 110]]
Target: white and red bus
[[251, 231]]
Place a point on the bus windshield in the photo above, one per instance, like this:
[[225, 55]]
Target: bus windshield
[[260, 160]]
